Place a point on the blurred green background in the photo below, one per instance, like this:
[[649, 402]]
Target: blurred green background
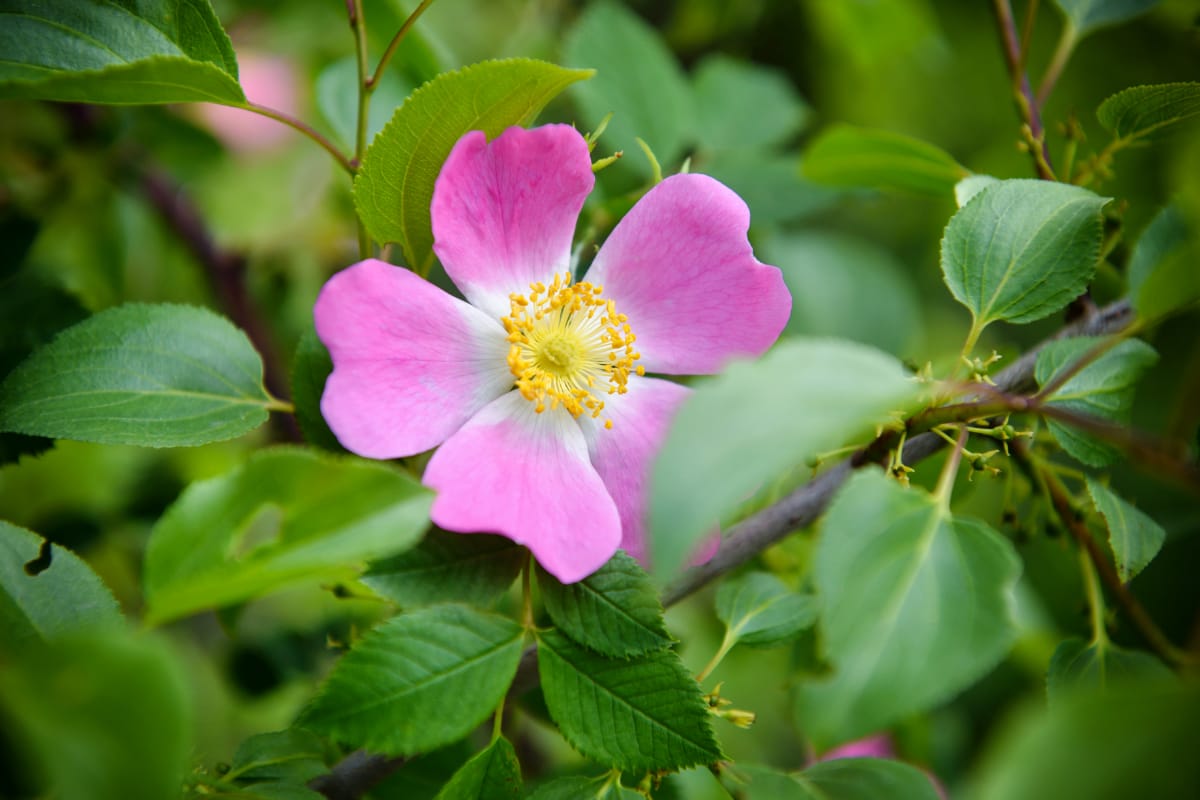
[[735, 88]]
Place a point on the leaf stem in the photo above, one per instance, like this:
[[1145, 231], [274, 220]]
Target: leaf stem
[[1095, 598], [304, 128], [945, 484], [527, 595], [726, 645], [1062, 54], [1063, 506], [372, 81]]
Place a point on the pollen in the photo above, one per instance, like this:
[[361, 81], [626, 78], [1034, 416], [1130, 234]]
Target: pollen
[[569, 347]]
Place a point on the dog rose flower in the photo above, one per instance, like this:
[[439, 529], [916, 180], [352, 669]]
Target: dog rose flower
[[536, 388]]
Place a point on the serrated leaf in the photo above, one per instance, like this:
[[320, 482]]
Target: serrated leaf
[[154, 51], [1136, 740], [804, 397], [311, 366], [1102, 389], [759, 609], [745, 106], [1085, 16], [638, 714], [493, 774], [1141, 110], [419, 681], [287, 756], [890, 559], [151, 375], [1079, 665], [1022, 249], [1163, 273], [100, 716], [847, 155], [614, 611], [47, 592], [449, 567], [637, 80], [1135, 537], [394, 187], [838, 779], [286, 515]]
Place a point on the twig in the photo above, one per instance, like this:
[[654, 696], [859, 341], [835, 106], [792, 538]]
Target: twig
[[1027, 104], [303, 128], [226, 272], [803, 506], [395, 43]]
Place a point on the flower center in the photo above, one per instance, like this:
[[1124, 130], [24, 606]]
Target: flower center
[[569, 347]]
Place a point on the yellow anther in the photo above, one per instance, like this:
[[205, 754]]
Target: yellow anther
[[567, 344]]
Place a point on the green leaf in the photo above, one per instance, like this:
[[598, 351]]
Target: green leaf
[[152, 375], [744, 106], [1163, 276], [579, 788], [1135, 538], [1137, 740], [828, 273], [1102, 389], [98, 717], [1085, 16], [890, 559], [311, 366], [614, 611], [493, 774], [419, 681], [1022, 249], [839, 779], [47, 592], [846, 155], [804, 397], [154, 51], [1140, 110], [286, 515], [970, 186], [449, 567], [637, 80], [760, 610], [639, 714], [1079, 665], [290, 756], [394, 187]]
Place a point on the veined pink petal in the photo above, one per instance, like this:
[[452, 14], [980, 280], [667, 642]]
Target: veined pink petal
[[680, 267], [624, 453], [504, 212], [527, 476], [411, 364]]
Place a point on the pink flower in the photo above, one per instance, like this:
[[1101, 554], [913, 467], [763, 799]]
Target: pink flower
[[535, 388]]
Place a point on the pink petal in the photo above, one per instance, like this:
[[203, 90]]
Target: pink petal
[[504, 212], [624, 454], [680, 267], [411, 364], [527, 476]]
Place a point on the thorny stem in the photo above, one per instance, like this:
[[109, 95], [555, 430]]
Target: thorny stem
[[1027, 104], [303, 128]]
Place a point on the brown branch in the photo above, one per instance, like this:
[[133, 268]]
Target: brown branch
[[226, 273], [770, 525], [1026, 102]]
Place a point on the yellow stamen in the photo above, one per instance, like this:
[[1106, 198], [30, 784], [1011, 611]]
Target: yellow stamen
[[567, 345]]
